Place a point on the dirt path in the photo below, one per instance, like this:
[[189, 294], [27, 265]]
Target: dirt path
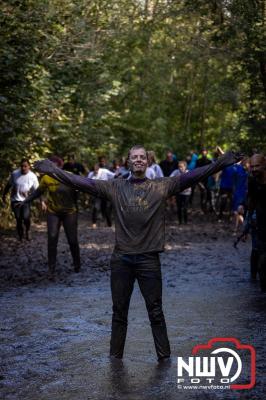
[[55, 335]]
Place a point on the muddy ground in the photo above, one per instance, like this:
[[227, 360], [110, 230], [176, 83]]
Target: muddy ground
[[55, 334]]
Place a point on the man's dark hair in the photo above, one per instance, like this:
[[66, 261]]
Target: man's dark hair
[[25, 160]]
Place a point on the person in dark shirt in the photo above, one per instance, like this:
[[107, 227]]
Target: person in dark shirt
[[204, 159], [257, 202], [139, 213], [239, 200], [106, 206], [72, 166], [169, 165], [226, 191]]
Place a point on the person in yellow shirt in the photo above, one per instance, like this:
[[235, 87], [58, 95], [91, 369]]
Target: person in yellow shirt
[[61, 208]]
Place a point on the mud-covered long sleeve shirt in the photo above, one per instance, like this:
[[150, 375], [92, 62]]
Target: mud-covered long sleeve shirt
[[138, 204]]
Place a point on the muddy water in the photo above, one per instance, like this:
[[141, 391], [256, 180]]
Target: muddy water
[[55, 334]]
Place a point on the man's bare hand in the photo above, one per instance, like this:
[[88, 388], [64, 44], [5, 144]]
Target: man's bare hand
[[219, 150], [44, 206], [45, 166]]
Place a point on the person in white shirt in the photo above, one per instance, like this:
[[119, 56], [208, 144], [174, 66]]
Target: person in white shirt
[[152, 164], [150, 173], [101, 173], [182, 198], [98, 204], [21, 182]]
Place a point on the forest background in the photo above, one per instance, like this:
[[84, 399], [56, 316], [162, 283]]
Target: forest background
[[95, 77]]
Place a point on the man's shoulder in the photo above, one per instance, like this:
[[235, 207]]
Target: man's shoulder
[[105, 183], [165, 185], [163, 182]]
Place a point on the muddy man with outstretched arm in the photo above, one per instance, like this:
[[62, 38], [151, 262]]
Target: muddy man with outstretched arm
[[139, 213]]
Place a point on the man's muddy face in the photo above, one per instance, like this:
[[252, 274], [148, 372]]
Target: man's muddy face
[[138, 161], [257, 165]]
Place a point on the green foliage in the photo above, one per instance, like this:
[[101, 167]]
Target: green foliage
[[97, 77]]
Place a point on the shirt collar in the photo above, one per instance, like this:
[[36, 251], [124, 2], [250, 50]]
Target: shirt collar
[[137, 180]]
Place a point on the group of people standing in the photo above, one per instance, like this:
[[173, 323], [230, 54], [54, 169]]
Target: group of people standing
[[227, 193]]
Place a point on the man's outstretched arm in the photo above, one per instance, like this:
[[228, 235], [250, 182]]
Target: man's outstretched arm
[[76, 182], [196, 175]]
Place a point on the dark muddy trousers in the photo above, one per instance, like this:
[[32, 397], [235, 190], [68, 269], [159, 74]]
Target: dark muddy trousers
[[262, 263], [254, 261], [182, 202], [107, 211], [225, 196], [22, 215], [105, 207], [146, 269], [203, 197], [70, 224]]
